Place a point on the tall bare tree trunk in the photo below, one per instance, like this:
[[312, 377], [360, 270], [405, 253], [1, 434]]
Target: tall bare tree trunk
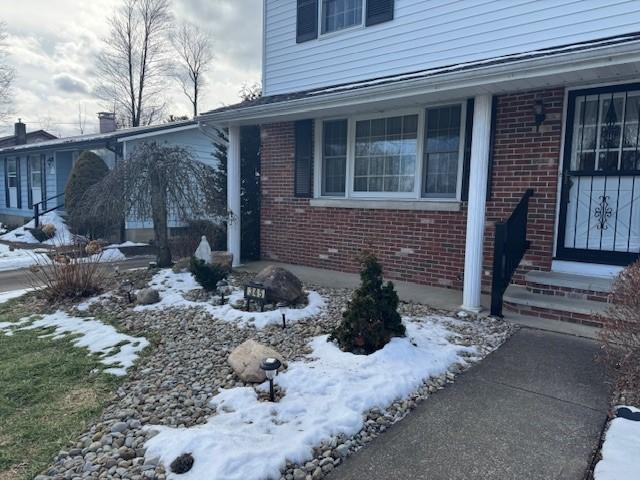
[[159, 214]]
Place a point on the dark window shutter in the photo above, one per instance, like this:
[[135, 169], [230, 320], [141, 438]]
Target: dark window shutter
[[468, 129], [7, 197], [43, 164], [303, 162], [492, 141], [19, 182], [29, 192], [307, 23], [379, 11]]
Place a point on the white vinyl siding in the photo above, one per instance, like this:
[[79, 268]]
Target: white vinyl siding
[[432, 33]]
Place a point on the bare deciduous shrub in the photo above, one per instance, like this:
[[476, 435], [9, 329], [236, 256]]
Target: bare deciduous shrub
[[620, 334], [67, 273]]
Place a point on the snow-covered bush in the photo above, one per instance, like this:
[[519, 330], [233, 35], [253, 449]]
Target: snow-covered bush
[[44, 232], [372, 317], [207, 275], [620, 333]]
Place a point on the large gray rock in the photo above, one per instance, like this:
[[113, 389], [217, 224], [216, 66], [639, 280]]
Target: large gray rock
[[246, 358], [147, 296], [281, 284], [222, 259]]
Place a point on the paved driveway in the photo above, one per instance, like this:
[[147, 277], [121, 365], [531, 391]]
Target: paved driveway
[[532, 410]]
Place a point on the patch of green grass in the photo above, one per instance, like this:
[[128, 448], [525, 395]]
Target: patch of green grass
[[49, 392]]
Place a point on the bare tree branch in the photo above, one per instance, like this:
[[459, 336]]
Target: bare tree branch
[[7, 75], [156, 181], [135, 61], [194, 50]]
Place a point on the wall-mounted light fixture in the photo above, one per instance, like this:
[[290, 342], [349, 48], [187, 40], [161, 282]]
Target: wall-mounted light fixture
[[51, 166], [539, 114]]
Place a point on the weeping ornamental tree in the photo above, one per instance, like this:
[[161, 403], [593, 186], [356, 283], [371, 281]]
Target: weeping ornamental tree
[[155, 181]]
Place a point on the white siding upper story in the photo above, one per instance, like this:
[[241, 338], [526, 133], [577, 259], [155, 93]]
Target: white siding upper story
[[431, 33]]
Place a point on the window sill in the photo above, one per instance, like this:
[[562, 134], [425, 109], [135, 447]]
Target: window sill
[[424, 205]]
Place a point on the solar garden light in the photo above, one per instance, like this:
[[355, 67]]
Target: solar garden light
[[282, 306], [270, 367], [127, 286], [222, 287]]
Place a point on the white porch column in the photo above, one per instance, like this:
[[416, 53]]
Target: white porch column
[[233, 194], [478, 171]]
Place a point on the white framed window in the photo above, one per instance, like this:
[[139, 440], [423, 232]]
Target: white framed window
[[336, 15], [12, 173], [407, 155]]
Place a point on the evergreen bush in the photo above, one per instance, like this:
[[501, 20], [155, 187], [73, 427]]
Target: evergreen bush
[[88, 170], [371, 318], [207, 275]]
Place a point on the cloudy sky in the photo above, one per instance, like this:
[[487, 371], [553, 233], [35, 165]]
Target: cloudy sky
[[53, 46]]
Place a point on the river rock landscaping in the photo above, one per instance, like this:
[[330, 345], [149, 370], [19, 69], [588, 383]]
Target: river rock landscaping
[[183, 399]]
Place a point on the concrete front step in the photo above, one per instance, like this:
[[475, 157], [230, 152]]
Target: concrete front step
[[521, 301], [579, 287]]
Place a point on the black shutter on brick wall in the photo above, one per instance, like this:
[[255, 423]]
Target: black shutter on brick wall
[[379, 11], [492, 141], [303, 161], [307, 20], [468, 129]]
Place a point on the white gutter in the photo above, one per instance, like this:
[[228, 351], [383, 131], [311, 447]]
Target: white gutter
[[557, 63], [158, 132]]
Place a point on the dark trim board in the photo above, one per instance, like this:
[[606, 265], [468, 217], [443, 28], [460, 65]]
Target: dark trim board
[[581, 254]]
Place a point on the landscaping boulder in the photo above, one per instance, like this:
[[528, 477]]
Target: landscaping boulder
[[147, 296], [222, 259], [245, 360], [281, 284]]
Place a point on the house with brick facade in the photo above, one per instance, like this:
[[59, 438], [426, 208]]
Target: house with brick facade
[[484, 146]]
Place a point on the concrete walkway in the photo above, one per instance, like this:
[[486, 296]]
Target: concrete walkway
[[532, 410]]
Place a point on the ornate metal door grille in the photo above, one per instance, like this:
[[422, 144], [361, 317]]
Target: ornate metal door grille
[[600, 207]]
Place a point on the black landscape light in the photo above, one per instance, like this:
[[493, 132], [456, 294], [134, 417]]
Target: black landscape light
[[222, 287], [282, 307], [270, 367], [539, 113], [127, 286]]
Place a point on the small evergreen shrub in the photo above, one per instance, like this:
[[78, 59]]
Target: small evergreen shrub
[[88, 170], [205, 274], [372, 317]]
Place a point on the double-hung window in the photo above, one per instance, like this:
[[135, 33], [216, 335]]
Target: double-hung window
[[12, 173], [415, 155], [340, 14]]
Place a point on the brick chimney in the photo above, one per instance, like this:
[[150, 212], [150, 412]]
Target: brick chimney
[[20, 132], [107, 122]]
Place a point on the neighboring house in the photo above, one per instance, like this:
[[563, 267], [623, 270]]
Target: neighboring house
[[412, 127], [38, 173], [21, 136]]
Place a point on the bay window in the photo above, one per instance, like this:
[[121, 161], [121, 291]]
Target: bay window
[[415, 155]]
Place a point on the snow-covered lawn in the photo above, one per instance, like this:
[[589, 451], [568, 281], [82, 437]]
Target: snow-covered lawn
[[173, 287], [117, 350], [325, 396], [62, 237], [18, 258], [620, 451]]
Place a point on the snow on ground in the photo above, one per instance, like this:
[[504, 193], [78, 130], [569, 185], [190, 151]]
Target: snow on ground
[[620, 459], [172, 287], [117, 350], [324, 397], [108, 255], [6, 296], [128, 243], [18, 258], [62, 237]]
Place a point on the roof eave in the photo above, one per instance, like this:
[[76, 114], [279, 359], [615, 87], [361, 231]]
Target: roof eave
[[482, 75]]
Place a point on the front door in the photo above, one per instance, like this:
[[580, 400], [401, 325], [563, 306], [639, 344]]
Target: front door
[[600, 198]]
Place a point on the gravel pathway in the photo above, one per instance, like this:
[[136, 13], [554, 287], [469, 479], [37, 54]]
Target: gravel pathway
[[187, 365]]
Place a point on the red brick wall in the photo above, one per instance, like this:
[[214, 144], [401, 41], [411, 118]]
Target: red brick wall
[[526, 158], [418, 246]]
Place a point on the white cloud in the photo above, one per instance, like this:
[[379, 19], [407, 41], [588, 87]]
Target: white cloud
[[53, 46]]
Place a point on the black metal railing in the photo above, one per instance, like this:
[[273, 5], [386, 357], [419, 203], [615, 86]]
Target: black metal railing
[[509, 247], [36, 208]]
